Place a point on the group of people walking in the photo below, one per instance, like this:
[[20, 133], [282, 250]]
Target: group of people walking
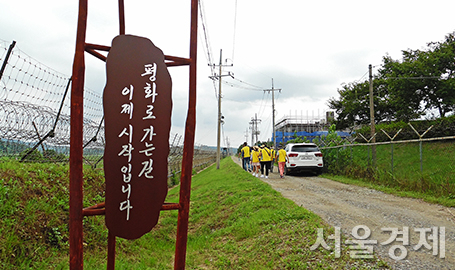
[[261, 158]]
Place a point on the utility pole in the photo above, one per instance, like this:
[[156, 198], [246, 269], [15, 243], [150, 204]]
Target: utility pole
[[252, 132], [254, 128], [373, 127], [228, 146], [220, 116], [218, 152], [273, 112]]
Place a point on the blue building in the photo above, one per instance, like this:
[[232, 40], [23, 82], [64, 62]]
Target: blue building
[[289, 127]]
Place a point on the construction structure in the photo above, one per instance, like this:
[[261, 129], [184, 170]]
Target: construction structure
[[291, 126]]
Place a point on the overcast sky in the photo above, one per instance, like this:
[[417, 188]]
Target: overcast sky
[[308, 48]]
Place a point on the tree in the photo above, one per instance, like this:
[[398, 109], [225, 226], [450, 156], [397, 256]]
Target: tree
[[350, 109], [403, 92], [353, 107], [424, 80], [439, 63]]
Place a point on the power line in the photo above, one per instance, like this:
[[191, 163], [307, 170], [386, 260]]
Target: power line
[[412, 78], [207, 47], [240, 87], [362, 77], [206, 37], [235, 27], [260, 106], [258, 88]]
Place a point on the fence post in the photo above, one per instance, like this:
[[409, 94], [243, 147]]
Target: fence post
[[61, 106], [391, 139], [351, 140], [420, 144], [39, 136], [368, 141], [51, 133], [10, 49]]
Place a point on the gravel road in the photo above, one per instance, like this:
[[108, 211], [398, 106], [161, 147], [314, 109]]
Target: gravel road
[[348, 206]]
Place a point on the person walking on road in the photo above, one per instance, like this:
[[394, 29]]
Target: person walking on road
[[273, 159], [281, 157], [245, 153], [265, 160], [255, 161]]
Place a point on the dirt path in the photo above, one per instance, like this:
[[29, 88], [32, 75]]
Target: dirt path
[[347, 206]]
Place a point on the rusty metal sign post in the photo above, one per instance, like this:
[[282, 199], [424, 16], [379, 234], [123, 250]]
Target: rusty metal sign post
[[127, 200]]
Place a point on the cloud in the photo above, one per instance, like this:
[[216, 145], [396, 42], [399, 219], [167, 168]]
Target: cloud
[[308, 48]]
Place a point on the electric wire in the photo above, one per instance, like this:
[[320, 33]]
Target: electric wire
[[206, 37], [235, 28]]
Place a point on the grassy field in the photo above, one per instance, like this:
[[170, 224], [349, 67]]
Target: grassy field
[[236, 222]]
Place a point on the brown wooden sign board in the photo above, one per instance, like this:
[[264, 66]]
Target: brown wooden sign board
[[137, 103]]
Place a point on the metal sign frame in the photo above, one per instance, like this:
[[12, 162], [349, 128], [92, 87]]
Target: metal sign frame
[[77, 212]]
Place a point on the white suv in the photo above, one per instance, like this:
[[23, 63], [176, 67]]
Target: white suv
[[303, 157]]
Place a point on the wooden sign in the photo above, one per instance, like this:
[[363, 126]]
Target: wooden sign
[[137, 103]]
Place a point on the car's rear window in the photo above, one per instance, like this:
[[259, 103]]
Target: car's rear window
[[304, 148]]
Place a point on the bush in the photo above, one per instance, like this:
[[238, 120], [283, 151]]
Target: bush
[[335, 159]]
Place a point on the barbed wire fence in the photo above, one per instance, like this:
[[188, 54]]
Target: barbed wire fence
[[35, 115], [35, 111], [415, 161]]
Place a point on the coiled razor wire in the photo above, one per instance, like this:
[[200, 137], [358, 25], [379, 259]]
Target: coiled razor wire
[[35, 116], [35, 111]]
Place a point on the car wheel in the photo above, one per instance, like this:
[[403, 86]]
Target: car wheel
[[287, 171]]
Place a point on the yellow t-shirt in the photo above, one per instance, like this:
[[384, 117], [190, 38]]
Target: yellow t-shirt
[[266, 154], [255, 156], [281, 155], [246, 151]]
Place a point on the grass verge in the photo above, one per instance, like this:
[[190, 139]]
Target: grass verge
[[432, 180], [236, 222], [395, 190]]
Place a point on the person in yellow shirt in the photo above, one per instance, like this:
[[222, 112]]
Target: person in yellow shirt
[[265, 160], [273, 159], [255, 161], [281, 158], [245, 152]]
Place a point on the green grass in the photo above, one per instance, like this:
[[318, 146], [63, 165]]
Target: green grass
[[435, 183], [236, 222], [34, 213]]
